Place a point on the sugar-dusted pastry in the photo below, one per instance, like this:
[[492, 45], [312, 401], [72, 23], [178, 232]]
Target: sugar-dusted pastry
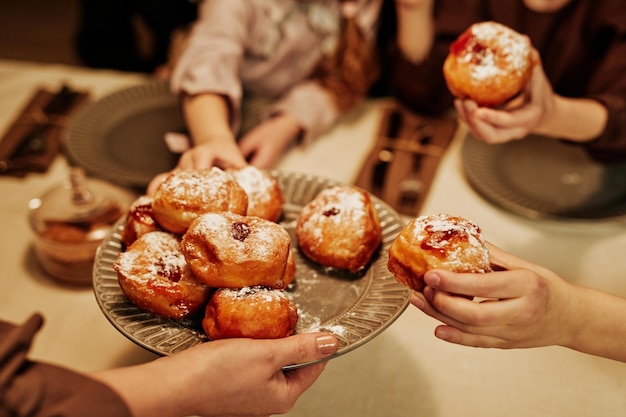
[[488, 63], [154, 275], [185, 194], [437, 241], [254, 312], [339, 228], [265, 197], [227, 250], [139, 220]]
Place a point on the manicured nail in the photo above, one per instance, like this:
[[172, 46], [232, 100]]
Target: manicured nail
[[327, 344]]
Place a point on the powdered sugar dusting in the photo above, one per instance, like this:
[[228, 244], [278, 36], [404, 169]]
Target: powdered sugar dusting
[[203, 186], [161, 256], [495, 49], [334, 207], [255, 183], [262, 294], [217, 227], [459, 239]]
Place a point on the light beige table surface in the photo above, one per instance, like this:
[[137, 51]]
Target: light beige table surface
[[405, 371]]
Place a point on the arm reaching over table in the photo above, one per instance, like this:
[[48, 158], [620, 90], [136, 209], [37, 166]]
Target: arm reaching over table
[[225, 377], [523, 305]]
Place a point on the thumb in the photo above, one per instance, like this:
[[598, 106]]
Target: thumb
[[307, 347]]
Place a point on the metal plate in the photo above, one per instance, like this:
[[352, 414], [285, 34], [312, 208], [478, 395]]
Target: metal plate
[[120, 137], [355, 307], [540, 177]]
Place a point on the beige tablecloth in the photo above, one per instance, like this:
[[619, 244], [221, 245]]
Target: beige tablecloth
[[405, 371]]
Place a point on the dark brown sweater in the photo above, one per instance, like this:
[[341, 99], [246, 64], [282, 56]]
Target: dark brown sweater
[[582, 47], [37, 389]]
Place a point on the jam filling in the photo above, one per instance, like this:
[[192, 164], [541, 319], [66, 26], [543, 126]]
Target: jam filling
[[240, 231], [333, 211], [468, 44], [437, 241], [169, 271], [143, 214]]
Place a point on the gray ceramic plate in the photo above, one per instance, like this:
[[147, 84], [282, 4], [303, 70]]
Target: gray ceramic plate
[[355, 307], [120, 137], [540, 177]]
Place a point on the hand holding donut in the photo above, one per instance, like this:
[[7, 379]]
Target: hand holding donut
[[527, 113], [496, 75], [527, 305]]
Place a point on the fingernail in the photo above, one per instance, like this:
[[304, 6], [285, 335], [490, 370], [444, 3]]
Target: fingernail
[[428, 293], [442, 333], [433, 279], [417, 302], [327, 344]]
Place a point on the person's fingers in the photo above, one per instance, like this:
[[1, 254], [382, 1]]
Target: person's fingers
[[306, 347], [460, 110], [456, 336], [302, 348], [421, 301], [495, 285], [511, 122]]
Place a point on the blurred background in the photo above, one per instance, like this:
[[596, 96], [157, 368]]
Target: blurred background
[[39, 30]]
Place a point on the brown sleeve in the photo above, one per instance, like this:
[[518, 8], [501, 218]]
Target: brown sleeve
[[607, 83], [421, 87], [37, 389]]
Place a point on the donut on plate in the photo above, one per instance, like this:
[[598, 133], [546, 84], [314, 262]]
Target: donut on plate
[[185, 194], [339, 228], [437, 241], [154, 275], [227, 250], [265, 197], [139, 220], [488, 63], [253, 312]]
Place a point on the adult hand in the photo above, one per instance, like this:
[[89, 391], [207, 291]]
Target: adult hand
[[523, 115], [224, 377], [522, 306], [265, 143]]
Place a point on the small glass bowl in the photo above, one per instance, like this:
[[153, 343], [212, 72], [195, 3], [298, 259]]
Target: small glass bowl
[[70, 221]]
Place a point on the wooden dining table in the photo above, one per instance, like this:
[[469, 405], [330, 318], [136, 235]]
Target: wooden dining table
[[405, 370]]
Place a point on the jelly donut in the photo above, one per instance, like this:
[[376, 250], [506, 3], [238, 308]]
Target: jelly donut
[[139, 220], [154, 275], [437, 241], [185, 194], [488, 63], [253, 312], [227, 250], [339, 228], [265, 198]]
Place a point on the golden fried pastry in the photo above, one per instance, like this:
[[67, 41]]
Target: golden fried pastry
[[290, 271], [488, 63], [253, 312], [227, 250], [265, 198], [185, 194], [154, 275], [437, 241], [139, 220], [339, 228]]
